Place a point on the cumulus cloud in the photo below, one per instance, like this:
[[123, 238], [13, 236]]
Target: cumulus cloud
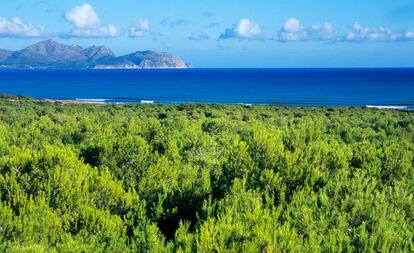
[[198, 36], [409, 35], [364, 33], [293, 30], [324, 31], [16, 28], [245, 29], [87, 23], [139, 29], [83, 17]]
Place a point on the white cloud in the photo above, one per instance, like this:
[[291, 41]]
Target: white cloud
[[87, 24], [324, 31], [139, 29], [363, 33], [293, 30], [83, 17], [409, 35], [245, 29], [16, 28], [292, 25], [198, 36]]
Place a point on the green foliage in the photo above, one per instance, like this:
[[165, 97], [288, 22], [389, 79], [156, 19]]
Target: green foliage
[[204, 178]]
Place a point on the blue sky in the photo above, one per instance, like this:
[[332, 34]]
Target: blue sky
[[217, 33]]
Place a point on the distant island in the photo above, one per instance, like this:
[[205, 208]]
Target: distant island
[[50, 54]]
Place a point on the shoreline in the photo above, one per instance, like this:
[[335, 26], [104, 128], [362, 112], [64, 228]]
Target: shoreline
[[95, 101]]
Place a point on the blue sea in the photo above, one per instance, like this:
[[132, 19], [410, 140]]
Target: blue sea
[[290, 87]]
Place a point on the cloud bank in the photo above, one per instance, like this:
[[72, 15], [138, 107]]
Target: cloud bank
[[245, 29], [16, 28], [87, 24], [293, 31], [363, 33]]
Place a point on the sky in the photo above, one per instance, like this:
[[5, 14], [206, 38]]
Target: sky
[[225, 34]]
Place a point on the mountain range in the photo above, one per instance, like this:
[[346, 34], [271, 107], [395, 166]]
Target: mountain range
[[50, 54]]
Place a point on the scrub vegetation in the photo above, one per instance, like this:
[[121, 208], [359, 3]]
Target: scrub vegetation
[[204, 178]]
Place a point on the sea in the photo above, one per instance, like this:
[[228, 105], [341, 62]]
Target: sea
[[378, 88]]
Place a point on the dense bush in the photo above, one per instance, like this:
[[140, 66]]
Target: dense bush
[[204, 178]]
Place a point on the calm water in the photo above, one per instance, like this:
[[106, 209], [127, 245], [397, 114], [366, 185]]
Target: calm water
[[295, 87]]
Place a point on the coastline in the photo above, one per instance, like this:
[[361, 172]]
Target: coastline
[[99, 101]]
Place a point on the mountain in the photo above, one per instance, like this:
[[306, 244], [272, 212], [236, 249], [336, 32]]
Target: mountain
[[143, 60], [46, 54], [96, 54], [51, 54], [4, 54]]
